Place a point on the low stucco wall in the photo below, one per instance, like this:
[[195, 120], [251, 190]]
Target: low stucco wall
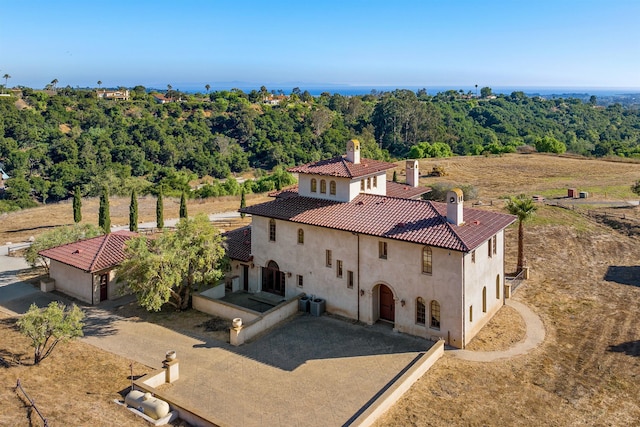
[[216, 292], [222, 309], [394, 392], [267, 320]]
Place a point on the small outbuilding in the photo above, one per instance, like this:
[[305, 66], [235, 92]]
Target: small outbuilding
[[86, 269]]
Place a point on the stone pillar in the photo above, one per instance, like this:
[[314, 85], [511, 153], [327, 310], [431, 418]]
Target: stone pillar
[[171, 370]]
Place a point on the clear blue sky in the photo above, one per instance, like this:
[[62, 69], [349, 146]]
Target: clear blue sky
[[527, 43]]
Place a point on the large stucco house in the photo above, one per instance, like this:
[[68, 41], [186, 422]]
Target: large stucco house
[[86, 269], [374, 252]]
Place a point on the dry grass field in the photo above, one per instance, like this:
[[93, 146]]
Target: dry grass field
[[75, 386], [585, 286]]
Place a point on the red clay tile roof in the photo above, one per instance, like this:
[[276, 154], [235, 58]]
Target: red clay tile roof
[[238, 243], [291, 191], [416, 221], [395, 189], [92, 255], [341, 167]]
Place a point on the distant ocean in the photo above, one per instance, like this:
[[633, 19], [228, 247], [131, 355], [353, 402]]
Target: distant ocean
[[346, 90]]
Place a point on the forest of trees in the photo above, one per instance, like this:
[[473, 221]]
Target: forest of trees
[[54, 141]]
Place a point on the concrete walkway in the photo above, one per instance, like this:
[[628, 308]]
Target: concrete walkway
[[534, 337]]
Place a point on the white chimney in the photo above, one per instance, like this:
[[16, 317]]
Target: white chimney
[[454, 206], [353, 151], [413, 175]]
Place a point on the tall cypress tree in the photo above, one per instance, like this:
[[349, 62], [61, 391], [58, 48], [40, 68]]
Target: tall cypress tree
[[133, 212], [395, 176], [243, 203], [183, 205], [104, 218], [160, 210], [77, 205]]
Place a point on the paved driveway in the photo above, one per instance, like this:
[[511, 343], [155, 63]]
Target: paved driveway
[[309, 372], [17, 296]]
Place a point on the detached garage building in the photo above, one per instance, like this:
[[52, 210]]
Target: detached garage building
[[86, 269]]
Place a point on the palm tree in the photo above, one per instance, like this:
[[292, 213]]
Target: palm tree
[[523, 207], [207, 87], [6, 78], [99, 83]]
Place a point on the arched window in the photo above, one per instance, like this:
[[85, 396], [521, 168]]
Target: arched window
[[427, 264], [314, 185], [435, 314], [300, 236], [272, 230], [332, 187], [498, 286], [421, 315], [484, 299], [323, 186]]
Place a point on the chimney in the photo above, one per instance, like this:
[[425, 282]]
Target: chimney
[[413, 175], [454, 207], [353, 151]]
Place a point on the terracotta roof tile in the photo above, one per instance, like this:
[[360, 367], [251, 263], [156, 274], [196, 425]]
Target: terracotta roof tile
[[238, 243], [416, 221], [341, 167], [395, 189], [92, 255]]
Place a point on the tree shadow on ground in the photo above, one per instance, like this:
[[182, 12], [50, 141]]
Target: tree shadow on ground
[[625, 275], [630, 348], [99, 323], [11, 276]]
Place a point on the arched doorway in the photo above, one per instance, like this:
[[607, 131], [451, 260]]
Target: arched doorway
[[387, 304], [273, 279]]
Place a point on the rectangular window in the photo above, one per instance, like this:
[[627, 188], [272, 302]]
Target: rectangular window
[[328, 257], [495, 244], [470, 313], [368, 183], [299, 280], [421, 312], [489, 244], [427, 262], [339, 268], [473, 256], [300, 236], [362, 185], [272, 230], [375, 182], [349, 279], [382, 250]]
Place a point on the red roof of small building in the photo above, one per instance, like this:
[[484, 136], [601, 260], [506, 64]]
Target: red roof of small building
[[92, 255], [416, 221], [238, 243], [341, 167]]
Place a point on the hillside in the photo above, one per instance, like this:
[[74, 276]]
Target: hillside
[[52, 142]]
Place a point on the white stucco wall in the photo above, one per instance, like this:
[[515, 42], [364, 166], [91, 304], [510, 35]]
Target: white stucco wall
[[401, 272], [346, 189], [483, 273], [72, 281], [82, 285]]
